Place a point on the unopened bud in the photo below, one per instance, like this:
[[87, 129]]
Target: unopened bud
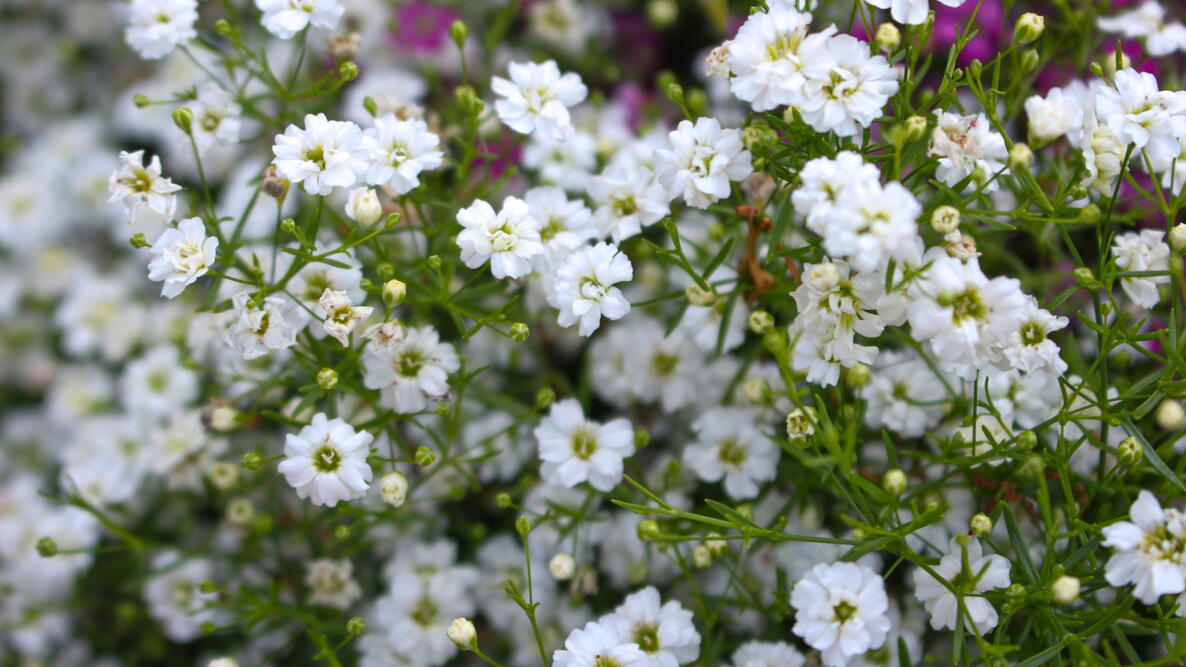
[[858, 375], [822, 277], [327, 378], [544, 398], [523, 526], [503, 500], [1029, 26], [1027, 439], [1021, 158], [916, 127], [888, 37], [348, 71], [47, 547], [253, 461], [675, 92], [240, 512], [223, 27], [183, 118], [459, 31], [1029, 61], [562, 566], [520, 332], [1170, 415], [647, 529], [223, 475], [461, 630], [894, 482], [355, 626], [363, 206], [394, 488], [757, 390], [424, 456], [699, 296], [980, 525], [342, 533], [760, 321], [1178, 238], [223, 662], [141, 101], [1065, 589], [433, 262], [394, 292], [1129, 451], [467, 99], [138, 241], [224, 418], [642, 438], [945, 219], [1086, 278], [701, 557], [801, 424]]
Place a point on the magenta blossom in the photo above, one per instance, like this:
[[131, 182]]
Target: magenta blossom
[[422, 28]]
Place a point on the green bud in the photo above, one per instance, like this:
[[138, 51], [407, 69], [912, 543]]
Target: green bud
[[342, 533], [520, 332], [459, 31], [544, 398], [523, 526], [916, 127], [288, 226], [441, 409], [366, 284], [758, 136], [858, 376], [253, 461], [1177, 238], [208, 587], [945, 219], [1031, 467], [774, 341], [355, 626], [468, 99], [760, 321], [394, 292], [1027, 439], [697, 102], [183, 118], [1090, 214], [141, 101], [371, 107], [223, 27], [1129, 451], [385, 271], [503, 500], [433, 262], [327, 378], [1086, 278], [894, 482], [675, 92], [1021, 157], [348, 71], [699, 296], [647, 529], [887, 37], [1029, 61], [641, 438], [424, 456], [138, 241], [975, 68], [1029, 26], [47, 547], [980, 525]]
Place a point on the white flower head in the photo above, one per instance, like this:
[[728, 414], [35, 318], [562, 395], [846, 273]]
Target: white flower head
[[701, 162], [1147, 21], [156, 27], [1150, 550], [1141, 114], [574, 449], [845, 86], [327, 461], [324, 155], [910, 12], [565, 225], [182, 255], [627, 200], [331, 583], [984, 573], [285, 18], [411, 371], [399, 150], [967, 146], [598, 645], [536, 99], [583, 288], [765, 60], [841, 610], [136, 185], [1029, 347], [509, 239], [340, 315], [729, 446], [1142, 251], [215, 117], [663, 631], [261, 325]]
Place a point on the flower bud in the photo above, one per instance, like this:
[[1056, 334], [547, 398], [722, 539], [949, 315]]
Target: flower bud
[[945, 219], [662, 13], [916, 127], [224, 418], [459, 31], [138, 241], [858, 375], [394, 488], [348, 71], [701, 557], [980, 525], [327, 378], [520, 332], [424, 456], [141, 101], [562, 566], [523, 526], [544, 398], [675, 92], [467, 99], [240, 511], [1029, 61], [1031, 467], [1170, 415], [394, 292], [462, 631], [1178, 238], [47, 547], [363, 206], [503, 500], [342, 533], [355, 626], [223, 475], [822, 277], [647, 529], [888, 37], [1065, 589], [223, 27], [1129, 451], [1029, 26], [274, 185], [760, 321], [699, 296], [1021, 157], [759, 135], [757, 390], [716, 545], [253, 461], [371, 106], [1086, 278], [801, 424], [433, 262], [894, 482], [183, 118]]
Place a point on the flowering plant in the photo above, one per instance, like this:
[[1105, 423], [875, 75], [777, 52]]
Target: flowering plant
[[622, 334]]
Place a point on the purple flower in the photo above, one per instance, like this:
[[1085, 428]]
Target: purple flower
[[422, 28]]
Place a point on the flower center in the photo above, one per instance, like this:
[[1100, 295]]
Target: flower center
[[584, 443], [327, 459], [316, 155], [1032, 333], [425, 612], [964, 305], [646, 635], [624, 206], [664, 364], [843, 611], [605, 661], [409, 363], [731, 452]]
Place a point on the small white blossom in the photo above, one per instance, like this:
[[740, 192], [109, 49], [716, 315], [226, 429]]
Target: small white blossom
[[285, 18], [215, 117], [565, 225], [1147, 22], [845, 86], [574, 449], [136, 185], [984, 573], [327, 461], [598, 645], [967, 146], [1150, 550], [1141, 114], [910, 12], [182, 255], [536, 99], [156, 27], [765, 57], [627, 200], [324, 155], [508, 239], [729, 446], [259, 326], [341, 315], [399, 151], [841, 610], [410, 372], [583, 287], [1142, 251], [331, 583], [663, 631], [703, 159]]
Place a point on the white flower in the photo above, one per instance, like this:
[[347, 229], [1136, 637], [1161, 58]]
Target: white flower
[[1142, 251], [841, 610], [412, 371], [285, 18], [157, 384], [1138, 113], [871, 224], [331, 582], [627, 200], [764, 57], [984, 573], [767, 654], [574, 449], [967, 146], [509, 239], [175, 598], [259, 326], [703, 159], [910, 12], [182, 255], [904, 395], [536, 99], [340, 315], [565, 225], [1150, 550], [363, 206], [1059, 113], [324, 155], [845, 86], [1028, 347], [327, 461], [399, 150], [136, 185], [156, 27], [583, 287], [215, 117], [1147, 22], [823, 181], [567, 163], [729, 445], [598, 645], [664, 632]]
